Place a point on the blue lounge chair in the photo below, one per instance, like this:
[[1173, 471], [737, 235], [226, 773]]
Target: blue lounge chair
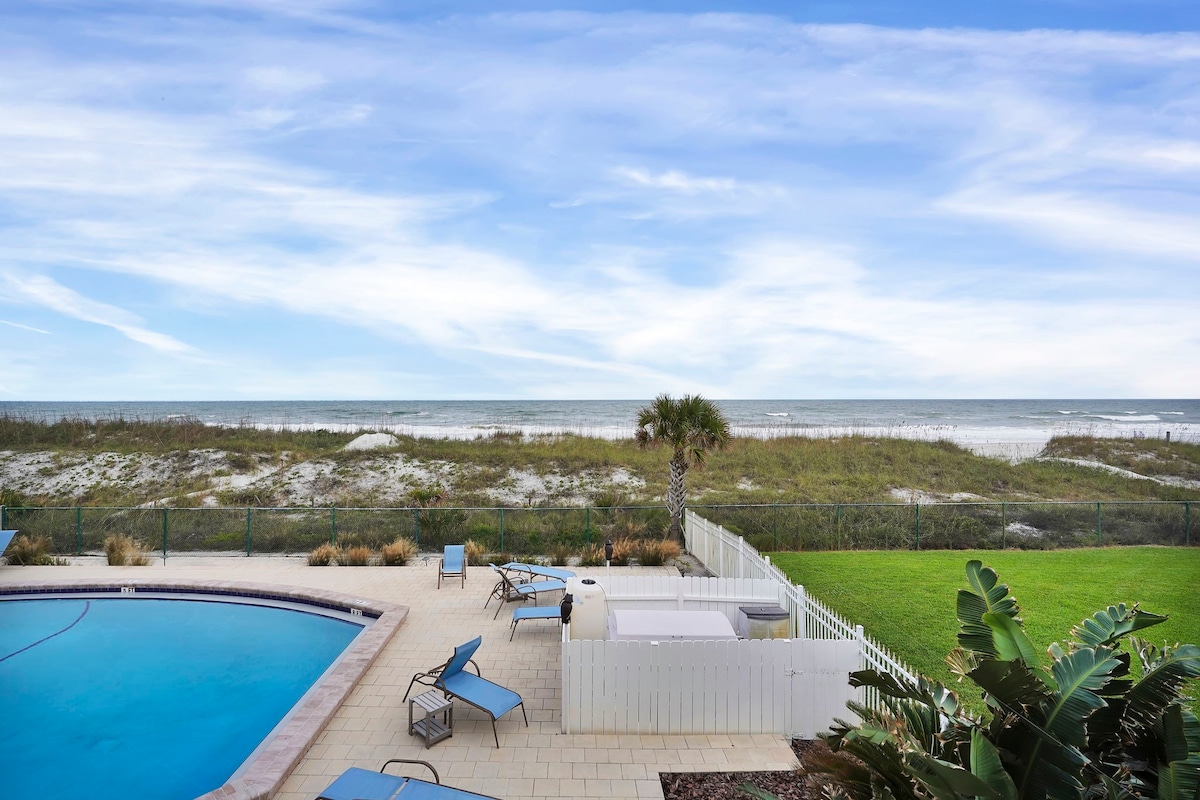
[[5, 538], [363, 784], [507, 591], [534, 612], [454, 681], [453, 563]]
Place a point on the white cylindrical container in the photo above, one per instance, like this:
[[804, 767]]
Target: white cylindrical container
[[589, 614]]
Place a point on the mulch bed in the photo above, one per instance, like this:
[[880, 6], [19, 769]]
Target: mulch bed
[[787, 785]]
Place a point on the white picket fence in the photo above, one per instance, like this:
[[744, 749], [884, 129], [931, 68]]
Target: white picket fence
[[791, 687], [730, 557]]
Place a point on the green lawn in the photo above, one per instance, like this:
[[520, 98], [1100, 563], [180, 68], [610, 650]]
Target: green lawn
[[906, 600]]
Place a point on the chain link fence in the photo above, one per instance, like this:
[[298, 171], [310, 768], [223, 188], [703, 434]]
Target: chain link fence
[[531, 531]]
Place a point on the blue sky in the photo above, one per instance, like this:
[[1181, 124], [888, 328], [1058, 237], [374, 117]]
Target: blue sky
[[318, 199]]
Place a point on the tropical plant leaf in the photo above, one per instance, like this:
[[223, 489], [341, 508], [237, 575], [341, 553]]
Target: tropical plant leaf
[[1010, 640], [1013, 685], [1179, 780], [947, 781], [1104, 627], [986, 595], [1080, 675], [1164, 672], [754, 791], [987, 766], [931, 693]]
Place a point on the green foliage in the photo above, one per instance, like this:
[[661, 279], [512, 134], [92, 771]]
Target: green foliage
[[1078, 725], [690, 427], [913, 611]]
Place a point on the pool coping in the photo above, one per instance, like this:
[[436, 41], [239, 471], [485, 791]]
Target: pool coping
[[281, 753]]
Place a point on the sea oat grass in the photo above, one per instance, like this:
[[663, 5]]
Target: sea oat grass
[[31, 551], [399, 552], [475, 552], [324, 555], [359, 556]]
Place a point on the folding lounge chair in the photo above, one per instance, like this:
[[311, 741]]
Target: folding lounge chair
[[507, 591], [453, 563], [454, 681], [363, 784], [534, 612]]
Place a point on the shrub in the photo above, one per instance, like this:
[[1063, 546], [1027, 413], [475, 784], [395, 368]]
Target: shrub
[[591, 556], [398, 552], [355, 556], [323, 556], [623, 549], [123, 550], [32, 552], [475, 553], [560, 554]]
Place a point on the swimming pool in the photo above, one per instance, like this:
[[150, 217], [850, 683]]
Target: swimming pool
[[154, 695]]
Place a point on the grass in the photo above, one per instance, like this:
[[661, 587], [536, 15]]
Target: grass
[[851, 469], [906, 600]]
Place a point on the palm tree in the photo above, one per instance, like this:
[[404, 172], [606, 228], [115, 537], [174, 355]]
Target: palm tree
[[690, 426]]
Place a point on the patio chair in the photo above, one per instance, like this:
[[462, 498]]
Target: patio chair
[[454, 563], [535, 612], [454, 681], [507, 591], [363, 784], [5, 538]]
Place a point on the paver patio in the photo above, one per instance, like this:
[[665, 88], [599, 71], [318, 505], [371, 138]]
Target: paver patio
[[372, 725]]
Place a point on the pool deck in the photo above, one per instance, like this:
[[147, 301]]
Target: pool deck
[[371, 726]]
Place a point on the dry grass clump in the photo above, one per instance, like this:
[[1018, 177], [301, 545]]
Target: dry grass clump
[[624, 549], [29, 551], [591, 555], [560, 555], [122, 550], [323, 556], [475, 552], [398, 553], [359, 556], [655, 552]]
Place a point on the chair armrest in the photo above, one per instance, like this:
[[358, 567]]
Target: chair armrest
[[436, 778]]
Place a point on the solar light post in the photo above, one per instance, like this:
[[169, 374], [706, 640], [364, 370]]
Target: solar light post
[[608, 550]]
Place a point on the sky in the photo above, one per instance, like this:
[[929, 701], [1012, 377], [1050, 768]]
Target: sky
[[349, 199]]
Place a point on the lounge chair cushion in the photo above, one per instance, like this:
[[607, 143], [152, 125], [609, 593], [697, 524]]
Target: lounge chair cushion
[[537, 612], [357, 783]]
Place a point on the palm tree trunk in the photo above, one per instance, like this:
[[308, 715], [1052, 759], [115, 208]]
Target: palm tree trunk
[[676, 494]]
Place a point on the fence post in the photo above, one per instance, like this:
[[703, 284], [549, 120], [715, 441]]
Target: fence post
[[333, 525], [417, 526], [164, 534], [247, 530], [801, 612], [1099, 526], [3, 517], [918, 507], [838, 532], [741, 556], [1003, 524], [587, 525], [1187, 522], [502, 530], [78, 531]]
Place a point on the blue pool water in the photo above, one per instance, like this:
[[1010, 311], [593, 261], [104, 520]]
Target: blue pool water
[[148, 698]]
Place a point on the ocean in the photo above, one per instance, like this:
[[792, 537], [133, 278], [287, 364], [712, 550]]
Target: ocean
[[979, 424]]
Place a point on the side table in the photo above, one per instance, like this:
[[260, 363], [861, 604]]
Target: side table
[[431, 704]]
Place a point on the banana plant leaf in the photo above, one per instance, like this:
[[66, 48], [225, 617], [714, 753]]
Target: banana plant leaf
[[1104, 627], [1010, 640], [988, 767], [947, 781], [1165, 671], [1080, 675], [987, 594]]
